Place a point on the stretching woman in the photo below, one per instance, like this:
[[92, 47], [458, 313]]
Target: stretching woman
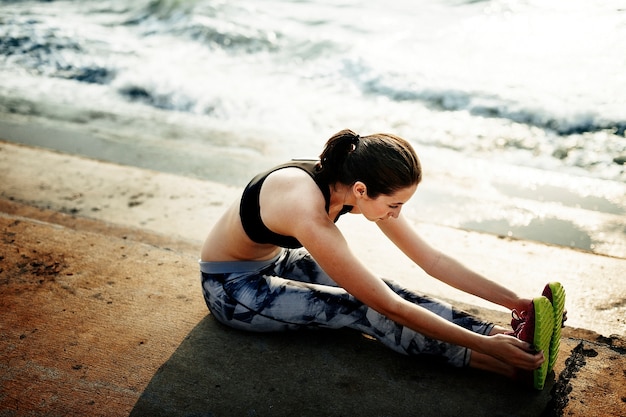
[[276, 261]]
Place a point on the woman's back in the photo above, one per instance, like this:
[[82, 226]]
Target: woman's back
[[288, 196]]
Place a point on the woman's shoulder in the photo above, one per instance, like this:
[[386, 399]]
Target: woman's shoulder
[[292, 182], [291, 204], [289, 197]]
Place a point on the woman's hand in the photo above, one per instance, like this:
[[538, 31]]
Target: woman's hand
[[514, 352], [521, 305]]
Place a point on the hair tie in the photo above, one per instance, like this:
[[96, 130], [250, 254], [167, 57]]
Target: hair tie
[[354, 141]]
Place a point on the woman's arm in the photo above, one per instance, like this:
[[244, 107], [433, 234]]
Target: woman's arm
[[326, 244], [300, 212], [445, 268]]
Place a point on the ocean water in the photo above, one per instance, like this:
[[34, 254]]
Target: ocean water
[[517, 108]]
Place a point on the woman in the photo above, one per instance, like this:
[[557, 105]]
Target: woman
[[276, 261]]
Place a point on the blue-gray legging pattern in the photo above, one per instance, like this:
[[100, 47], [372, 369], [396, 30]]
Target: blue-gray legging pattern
[[291, 291]]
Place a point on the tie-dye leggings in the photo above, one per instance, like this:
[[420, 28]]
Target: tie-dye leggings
[[291, 292]]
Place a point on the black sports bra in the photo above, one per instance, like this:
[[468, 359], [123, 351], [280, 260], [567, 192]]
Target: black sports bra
[[250, 210]]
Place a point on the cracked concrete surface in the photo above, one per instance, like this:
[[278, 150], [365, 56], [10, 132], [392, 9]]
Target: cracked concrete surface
[[102, 314]]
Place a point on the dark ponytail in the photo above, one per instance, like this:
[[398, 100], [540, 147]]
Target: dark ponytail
[[385, 163]]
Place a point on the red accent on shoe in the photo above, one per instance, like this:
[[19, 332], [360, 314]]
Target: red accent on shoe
[[523, 324], [517, 319], [547, 292], [526, 330]]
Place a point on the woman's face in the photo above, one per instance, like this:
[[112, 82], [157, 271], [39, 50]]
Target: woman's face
[[384, 206]]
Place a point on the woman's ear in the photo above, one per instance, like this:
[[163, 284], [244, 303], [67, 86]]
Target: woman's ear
[[359, 189]]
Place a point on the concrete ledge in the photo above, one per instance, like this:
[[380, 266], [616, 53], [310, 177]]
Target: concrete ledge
[[96, 323], [86, 318], [101, 313]]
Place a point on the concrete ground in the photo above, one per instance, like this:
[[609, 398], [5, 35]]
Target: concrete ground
[[102, 318]]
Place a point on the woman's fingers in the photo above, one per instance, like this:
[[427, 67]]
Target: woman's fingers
[[518, 353]]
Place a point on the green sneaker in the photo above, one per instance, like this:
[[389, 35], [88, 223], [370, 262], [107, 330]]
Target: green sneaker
[[536, 328], [555, 293]]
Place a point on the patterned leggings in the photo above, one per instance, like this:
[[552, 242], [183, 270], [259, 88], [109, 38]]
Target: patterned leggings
[[291, 292]]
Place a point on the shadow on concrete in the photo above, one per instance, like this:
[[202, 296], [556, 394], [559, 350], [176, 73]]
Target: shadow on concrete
[[218, 371]]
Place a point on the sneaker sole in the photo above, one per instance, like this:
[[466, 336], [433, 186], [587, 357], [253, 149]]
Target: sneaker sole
[[558, 305], [544, 329]]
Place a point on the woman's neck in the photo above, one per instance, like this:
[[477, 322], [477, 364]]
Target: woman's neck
[[340, 196]]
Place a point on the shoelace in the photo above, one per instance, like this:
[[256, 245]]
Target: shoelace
[[518, 320]]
